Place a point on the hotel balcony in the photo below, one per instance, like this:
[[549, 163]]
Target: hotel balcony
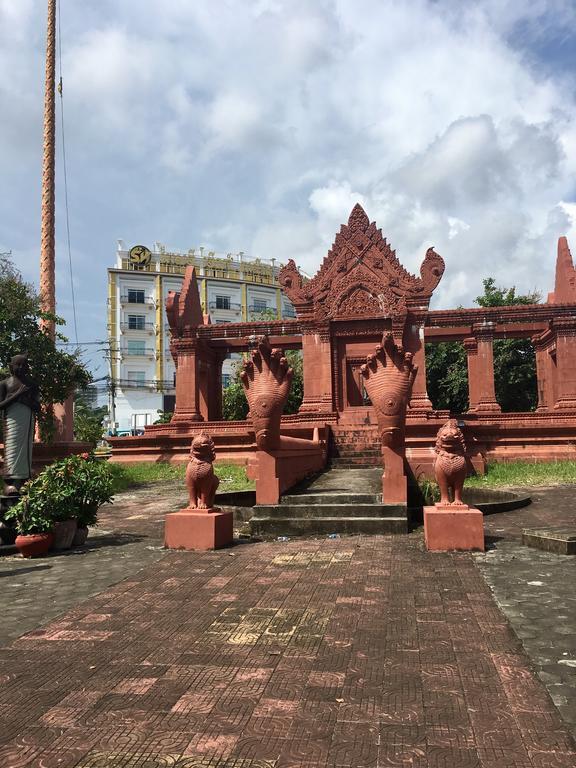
[[148, 353], [149, 302], [149, 328]]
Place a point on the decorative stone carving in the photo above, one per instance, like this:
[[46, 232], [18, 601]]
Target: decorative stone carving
[[450, 463], [388, 377], [20, 403], [291, 281], [361, 276], [200, 478], [266, 379]]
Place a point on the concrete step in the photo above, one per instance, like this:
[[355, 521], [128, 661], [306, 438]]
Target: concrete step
[[351, 462], [330, 496], [268, 527], [330, 510]]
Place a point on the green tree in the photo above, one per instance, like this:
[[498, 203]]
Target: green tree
[[164, 417], [234, 403], [58, 373], [514, 362], [88, 418]]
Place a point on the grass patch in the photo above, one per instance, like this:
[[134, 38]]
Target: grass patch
[[232, 477], [521, 473], [513, 473]]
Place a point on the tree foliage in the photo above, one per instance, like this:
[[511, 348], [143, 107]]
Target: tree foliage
[[88, 419], [57, 373], [514, 362], [234, 403]]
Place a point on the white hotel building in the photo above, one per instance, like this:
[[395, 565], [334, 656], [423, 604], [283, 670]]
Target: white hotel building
[[232, 289]]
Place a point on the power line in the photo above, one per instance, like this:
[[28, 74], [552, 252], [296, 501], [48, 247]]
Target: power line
[[60, 91]]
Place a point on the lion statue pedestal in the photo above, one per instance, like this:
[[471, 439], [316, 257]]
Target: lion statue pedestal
[[201, 526], [451, 524]]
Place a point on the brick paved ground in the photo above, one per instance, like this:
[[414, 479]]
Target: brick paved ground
[[128, 538], [350, 652], [537, 591]]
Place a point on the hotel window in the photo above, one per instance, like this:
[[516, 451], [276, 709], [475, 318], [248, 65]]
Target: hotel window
[[137, 378], [260, 305], [136, 347], [136, 322], [222, 302], [135, 297]]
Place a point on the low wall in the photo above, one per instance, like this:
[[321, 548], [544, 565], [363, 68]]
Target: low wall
[[499, 437]]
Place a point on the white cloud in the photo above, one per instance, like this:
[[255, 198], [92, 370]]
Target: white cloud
[[257, 124]]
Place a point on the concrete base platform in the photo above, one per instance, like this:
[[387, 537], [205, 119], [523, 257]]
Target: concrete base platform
[[448, 528], [198, 529], [558, 541]]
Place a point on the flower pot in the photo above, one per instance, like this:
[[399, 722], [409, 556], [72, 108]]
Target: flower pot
[[34, 544], [80, 536], [64, 534]]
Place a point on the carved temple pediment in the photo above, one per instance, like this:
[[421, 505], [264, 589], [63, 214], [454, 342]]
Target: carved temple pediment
[[361, 277]]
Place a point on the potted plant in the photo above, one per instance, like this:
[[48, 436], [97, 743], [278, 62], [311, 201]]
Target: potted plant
[[67, 494], [92, 487], [34, 525]]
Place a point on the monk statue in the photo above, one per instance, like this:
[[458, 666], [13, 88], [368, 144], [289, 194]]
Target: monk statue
[[19, 402]]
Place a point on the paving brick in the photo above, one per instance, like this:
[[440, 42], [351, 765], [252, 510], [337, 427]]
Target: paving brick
[[312, 653]]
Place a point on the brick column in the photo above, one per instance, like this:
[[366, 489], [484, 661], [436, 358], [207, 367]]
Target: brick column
[[565, 331], [481, 369], [471, 347], [545, 349], [414, 342], [317, 370], [187, 385]]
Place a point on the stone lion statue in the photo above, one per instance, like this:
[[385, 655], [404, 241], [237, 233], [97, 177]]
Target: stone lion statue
[[450, 463], [200, 478]]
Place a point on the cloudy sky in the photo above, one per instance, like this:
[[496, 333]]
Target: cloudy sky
[[255, 125]]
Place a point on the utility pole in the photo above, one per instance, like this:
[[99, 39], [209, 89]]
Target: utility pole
[[47, 253]]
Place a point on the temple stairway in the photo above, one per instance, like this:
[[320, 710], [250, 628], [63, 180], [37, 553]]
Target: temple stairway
[[354, 446], [339, 501]]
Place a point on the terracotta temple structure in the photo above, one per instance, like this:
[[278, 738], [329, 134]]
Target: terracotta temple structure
[[360, 296]]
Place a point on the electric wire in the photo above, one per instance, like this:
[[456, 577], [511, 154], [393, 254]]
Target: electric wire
[[65, 174]]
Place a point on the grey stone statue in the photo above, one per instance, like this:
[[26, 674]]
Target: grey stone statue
[[19, 402]]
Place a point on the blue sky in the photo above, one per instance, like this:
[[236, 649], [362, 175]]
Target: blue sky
[[255, 125]]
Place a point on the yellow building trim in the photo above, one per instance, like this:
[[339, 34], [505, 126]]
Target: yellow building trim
[[159, 331], [244, 302], [113, 325], [204, 295], [279, 303]]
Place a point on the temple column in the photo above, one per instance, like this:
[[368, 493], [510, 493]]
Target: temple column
[[215, 385], [565, 331], [471, 347], [317, 370], [414, 342], [545, 349], [480, 356], [187, 381]]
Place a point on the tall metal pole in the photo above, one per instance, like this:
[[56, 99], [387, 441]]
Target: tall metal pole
[[47, 256]]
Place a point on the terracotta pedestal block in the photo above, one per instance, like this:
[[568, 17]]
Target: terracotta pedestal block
[[198, 529], [449, 528]]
